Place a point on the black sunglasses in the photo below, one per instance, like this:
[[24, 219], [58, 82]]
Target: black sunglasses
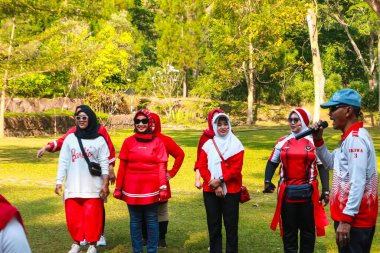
[[336, 107], [293, 120], [84, 118], [138, 121]]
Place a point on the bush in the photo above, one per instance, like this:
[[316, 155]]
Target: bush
[[300, 91]]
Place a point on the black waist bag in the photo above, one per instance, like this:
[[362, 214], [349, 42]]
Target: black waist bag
[[298, 192], [95, 169]]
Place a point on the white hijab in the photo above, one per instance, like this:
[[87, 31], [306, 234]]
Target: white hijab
[[228, 145]]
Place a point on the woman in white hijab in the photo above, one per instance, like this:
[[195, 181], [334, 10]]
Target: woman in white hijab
[[299, 206], [220, 165]]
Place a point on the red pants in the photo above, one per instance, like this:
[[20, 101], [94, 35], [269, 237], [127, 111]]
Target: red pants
[[84, 218]]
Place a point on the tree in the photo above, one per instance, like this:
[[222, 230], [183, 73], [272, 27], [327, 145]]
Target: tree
[[248, 44], [178, 26], [348, 17]]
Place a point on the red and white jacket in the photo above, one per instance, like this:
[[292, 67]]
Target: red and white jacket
[[211, 166], [298, 166], [56, 145], [355, 184], [298, 160], [142, 170]]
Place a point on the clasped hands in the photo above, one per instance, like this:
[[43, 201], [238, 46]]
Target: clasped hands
[[216, 185]]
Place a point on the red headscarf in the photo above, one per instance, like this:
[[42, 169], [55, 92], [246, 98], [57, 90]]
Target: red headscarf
[[209, 132], [157, 122]]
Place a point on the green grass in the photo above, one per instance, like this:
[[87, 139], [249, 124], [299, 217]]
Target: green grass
[[29, 184]]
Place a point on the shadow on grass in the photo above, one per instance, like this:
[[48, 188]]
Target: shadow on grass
[[21, 154]]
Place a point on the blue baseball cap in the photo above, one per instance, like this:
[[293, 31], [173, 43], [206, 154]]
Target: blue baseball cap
[[344, 96]]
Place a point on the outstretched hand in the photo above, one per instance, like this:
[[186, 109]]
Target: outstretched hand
[[269, 187]]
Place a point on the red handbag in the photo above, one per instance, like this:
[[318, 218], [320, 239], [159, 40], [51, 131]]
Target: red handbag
[[244, 194]]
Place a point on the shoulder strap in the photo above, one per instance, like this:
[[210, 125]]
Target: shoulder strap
[[217, 149], [83, 152]]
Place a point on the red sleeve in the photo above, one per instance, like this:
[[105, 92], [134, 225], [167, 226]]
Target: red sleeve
[[103, 131], [203, 167], [235, 164], [175, 151], [162, 160], [57, 144], [201, 142], [121, 173]]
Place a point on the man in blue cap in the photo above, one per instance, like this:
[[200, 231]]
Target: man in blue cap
[[354, 199]]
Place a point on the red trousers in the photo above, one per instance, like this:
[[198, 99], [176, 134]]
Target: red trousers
[[84, 218]]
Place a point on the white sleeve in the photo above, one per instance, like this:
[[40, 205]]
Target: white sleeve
[[325, 156], [13, 238], [103, 155], [275, 156], [357, 157], [64, 161]]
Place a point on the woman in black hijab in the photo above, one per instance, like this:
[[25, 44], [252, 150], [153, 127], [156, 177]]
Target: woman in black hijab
[[83, 191]]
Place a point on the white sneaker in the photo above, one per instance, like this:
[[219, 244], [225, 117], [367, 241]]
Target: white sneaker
[[102, 241], [83, 243], [92, 249], [75, 248]]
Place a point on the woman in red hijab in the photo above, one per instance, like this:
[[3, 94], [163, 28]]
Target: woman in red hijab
[[177, 153], [141, 180], [207, 134]]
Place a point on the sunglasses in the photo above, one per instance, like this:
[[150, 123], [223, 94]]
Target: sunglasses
[[138, 121], [83, 118], [293, 120], [336, 107]]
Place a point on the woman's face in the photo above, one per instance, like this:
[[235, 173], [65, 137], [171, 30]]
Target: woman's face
[[141, 123], [82, 120], [294, 123], [223, 127]]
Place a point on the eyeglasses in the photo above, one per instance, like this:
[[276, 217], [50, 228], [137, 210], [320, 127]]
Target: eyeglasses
[[293, 120], [83, 118], [336, 107], [138, 121]]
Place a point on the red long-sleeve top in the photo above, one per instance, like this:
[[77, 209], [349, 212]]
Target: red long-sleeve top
[[57, 144], [142, 170]]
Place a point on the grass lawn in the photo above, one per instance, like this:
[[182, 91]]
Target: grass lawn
[[28, 183]]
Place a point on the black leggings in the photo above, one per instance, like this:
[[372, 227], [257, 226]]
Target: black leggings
[[298, 216]]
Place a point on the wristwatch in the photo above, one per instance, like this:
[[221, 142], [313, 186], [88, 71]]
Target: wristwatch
[[221, 178]]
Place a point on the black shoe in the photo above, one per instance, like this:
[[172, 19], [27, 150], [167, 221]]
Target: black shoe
[[162, 243]]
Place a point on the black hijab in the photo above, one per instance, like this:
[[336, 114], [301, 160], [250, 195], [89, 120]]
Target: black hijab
[[91, 131]]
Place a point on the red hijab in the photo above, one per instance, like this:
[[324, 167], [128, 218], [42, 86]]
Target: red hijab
[[209, 132]]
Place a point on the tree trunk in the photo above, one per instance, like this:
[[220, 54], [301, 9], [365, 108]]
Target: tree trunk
[[372, 58], [319, 78], [184, 82], [5, 83], [251, 88], [378, 69]]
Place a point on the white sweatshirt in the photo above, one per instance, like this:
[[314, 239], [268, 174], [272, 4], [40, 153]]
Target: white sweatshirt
[[72, 166]]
